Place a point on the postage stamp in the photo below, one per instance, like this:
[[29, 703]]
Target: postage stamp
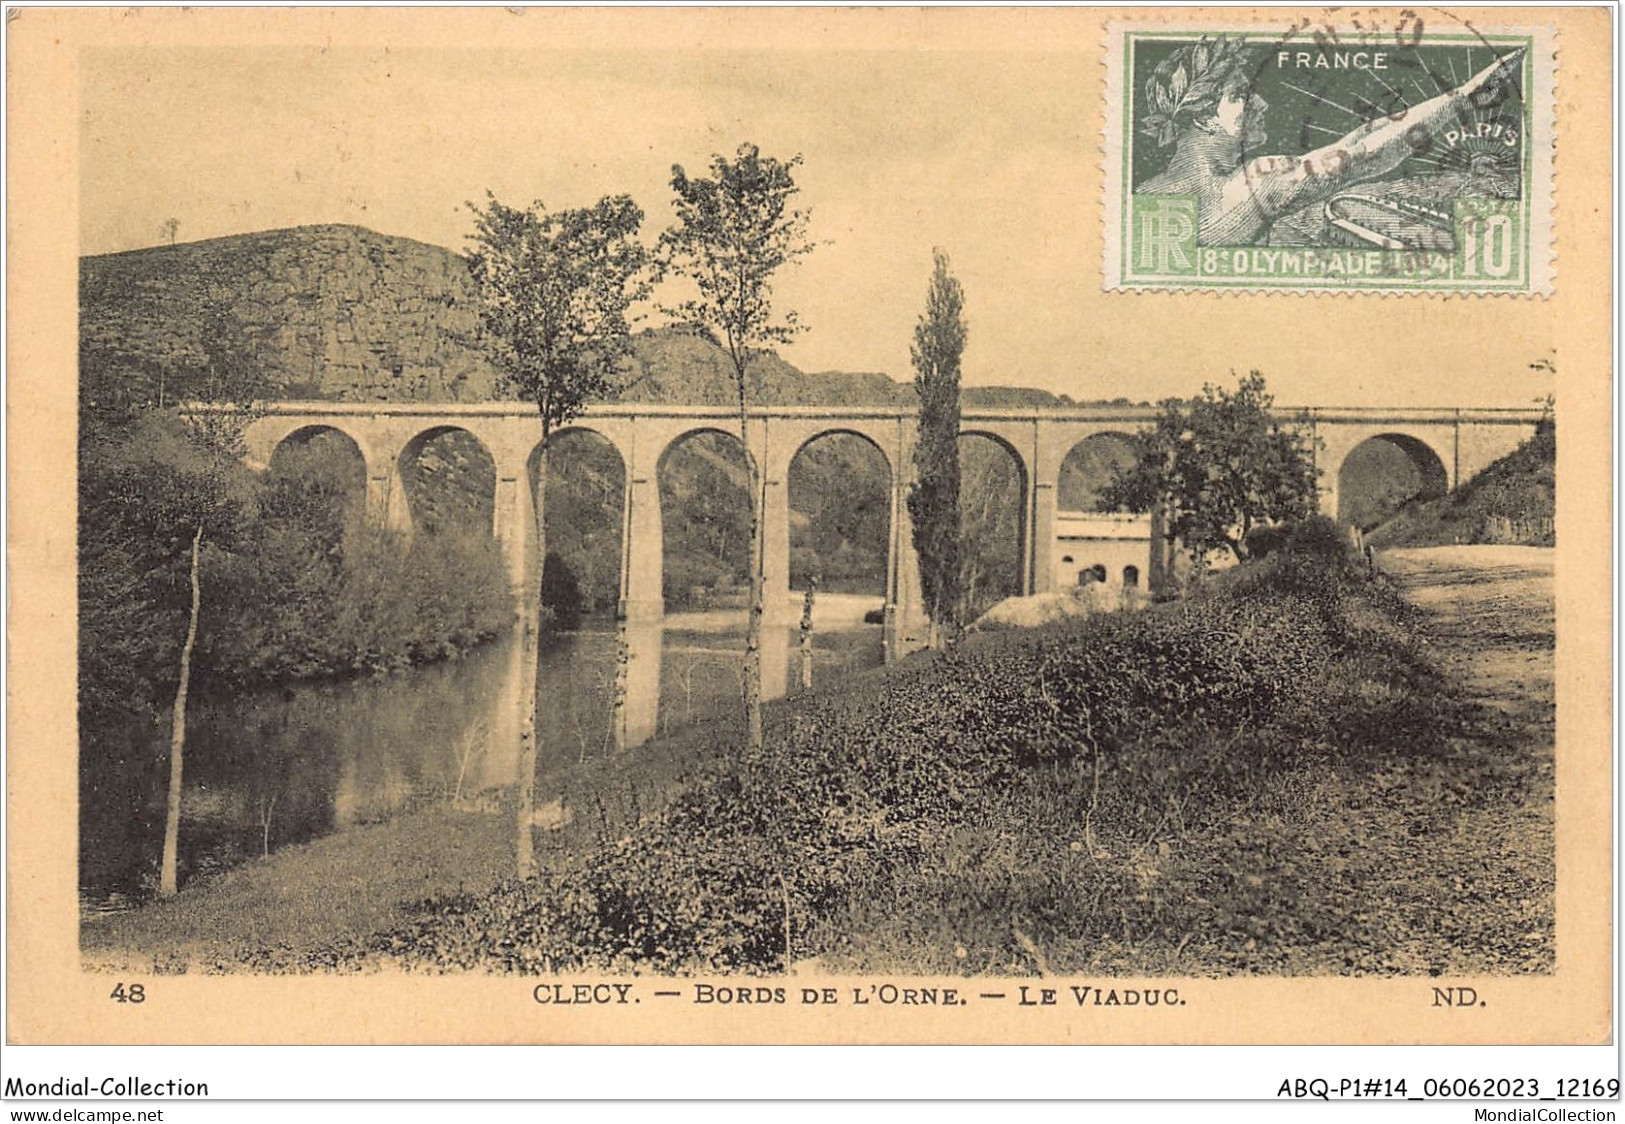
[[1361, 155]]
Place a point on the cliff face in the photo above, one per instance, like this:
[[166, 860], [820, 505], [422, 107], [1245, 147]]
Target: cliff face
[[323, 311], [341, 312]]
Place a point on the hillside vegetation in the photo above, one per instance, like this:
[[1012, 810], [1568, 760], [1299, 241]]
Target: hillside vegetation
[[1512, 501], [1270, 777], [291, 587]]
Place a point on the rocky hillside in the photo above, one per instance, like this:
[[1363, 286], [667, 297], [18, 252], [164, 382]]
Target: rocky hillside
[[323, 311], [342, 312], [672, 366]]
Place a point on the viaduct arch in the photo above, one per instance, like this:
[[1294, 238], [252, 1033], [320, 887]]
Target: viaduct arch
[[1464, 440], [892, 474]]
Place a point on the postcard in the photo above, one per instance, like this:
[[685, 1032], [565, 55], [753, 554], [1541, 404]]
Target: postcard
[[810, 526]]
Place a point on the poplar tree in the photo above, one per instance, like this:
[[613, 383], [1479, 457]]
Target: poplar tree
[[933, 497]]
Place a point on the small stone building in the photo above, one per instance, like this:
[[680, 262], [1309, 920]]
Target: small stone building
[[1100, 548]]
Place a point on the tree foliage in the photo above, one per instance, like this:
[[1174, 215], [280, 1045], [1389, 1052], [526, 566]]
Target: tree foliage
[[142, 491], [1219, 465], [315, 592], [162, 489], [556, 293], [561, 593], [286, 586], [735, 229], [933, 498]]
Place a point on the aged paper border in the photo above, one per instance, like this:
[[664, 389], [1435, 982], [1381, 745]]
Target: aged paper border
[[49, 1000]]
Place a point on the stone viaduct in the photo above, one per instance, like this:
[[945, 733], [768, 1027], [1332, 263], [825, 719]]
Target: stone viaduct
[[1448, 446]]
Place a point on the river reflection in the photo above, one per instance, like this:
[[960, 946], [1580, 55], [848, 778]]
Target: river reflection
[[276, 767]]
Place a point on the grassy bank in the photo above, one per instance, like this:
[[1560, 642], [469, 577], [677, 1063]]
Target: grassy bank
[[284, 909], [1511, 501], [1270, 777]]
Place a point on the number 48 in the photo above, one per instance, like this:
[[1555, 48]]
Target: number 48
[[135, 993]]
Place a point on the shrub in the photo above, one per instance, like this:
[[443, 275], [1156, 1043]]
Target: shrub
[[1319, 537], [933, 804], [302, 610], [1261, 542]]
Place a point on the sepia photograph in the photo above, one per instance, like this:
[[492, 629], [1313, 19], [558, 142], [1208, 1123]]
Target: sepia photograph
[[826, 526]]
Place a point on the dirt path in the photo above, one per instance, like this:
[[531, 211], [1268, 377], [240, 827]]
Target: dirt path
[[1491, 616], [1481, 872]]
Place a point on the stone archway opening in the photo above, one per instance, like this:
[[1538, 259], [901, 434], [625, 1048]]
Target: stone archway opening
[[705, 508], [993, 522], [449, 479], [585, 514], [1383, 474], [840, 486], [1089, 467], [317, 474]]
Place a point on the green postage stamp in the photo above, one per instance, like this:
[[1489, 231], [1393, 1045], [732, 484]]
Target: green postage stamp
[[1379, 157]]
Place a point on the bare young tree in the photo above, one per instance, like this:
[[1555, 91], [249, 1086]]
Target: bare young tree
[[202, 492], [470, 747], [807, 634], [735, 229], [556, 290]]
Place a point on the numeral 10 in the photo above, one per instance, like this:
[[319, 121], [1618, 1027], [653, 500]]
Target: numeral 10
[[1487, 244]]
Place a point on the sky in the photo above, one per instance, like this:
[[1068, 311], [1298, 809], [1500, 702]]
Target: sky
[[992, 154]]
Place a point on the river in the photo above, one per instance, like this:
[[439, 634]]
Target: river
[[287, 765]]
